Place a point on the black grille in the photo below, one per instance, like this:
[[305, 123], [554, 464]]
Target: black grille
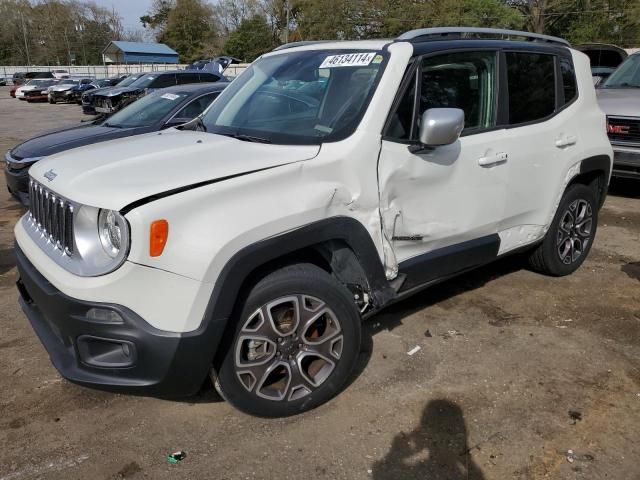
[[52, 216], [623, 130]]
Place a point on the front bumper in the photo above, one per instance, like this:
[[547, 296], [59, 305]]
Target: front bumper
[[18, 183], [126, 355], [65, 96], [626, 162]]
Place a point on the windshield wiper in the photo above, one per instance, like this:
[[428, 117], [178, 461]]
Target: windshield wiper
[[112, 125], [246, 138]]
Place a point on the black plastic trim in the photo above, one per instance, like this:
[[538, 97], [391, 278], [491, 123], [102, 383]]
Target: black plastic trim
[[242, 264], [445, 262], [162, 363], [598, 163]]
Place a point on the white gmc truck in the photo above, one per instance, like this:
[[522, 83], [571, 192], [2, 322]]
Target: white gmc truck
[[327, 181]]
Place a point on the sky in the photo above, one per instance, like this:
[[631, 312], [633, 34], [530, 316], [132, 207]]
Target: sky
[[129, 10]]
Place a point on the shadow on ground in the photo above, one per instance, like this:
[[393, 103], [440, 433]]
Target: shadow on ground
[[437, 448]]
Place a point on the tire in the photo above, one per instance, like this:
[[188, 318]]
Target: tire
[[313, 332], [570, 237], [51, 101]]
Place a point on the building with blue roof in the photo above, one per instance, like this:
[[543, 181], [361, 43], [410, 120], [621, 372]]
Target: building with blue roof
[[138, 52]]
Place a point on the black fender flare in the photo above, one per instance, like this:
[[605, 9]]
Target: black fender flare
[[598, 164], [237, 270]]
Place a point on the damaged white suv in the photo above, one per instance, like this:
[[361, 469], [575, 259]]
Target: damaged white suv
[[326, 182]]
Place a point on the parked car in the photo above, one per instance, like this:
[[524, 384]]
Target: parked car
[[60, 73], [20, 78], [88, 99], [251, 246], [41, 92], [35, 84], [110, 101], [79, 89], [159, 110], [12, 91], [619, 97], [214, 65], [604, 59], [64, 90], [3, 82]]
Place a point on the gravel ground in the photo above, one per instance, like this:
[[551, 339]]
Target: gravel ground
[[515, 369]]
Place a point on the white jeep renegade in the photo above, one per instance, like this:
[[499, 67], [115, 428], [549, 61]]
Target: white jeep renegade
[[326, 182]]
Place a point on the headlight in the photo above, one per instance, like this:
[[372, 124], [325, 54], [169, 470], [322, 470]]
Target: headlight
[[111, 229]]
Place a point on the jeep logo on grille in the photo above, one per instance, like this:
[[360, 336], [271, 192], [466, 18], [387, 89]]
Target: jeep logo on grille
[[618, 129], [50, 175]]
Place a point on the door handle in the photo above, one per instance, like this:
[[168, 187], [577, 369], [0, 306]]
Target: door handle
[[493, 159], [566, 141]]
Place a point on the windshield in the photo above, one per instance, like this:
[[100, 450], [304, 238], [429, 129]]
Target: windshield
[[305, 97], [41, 82], [129, 80], [68, 82], [627, 75], [144, 81], [146, 111]]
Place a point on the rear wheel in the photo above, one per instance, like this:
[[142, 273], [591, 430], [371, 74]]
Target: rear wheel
[[571, 234], [294, 344]]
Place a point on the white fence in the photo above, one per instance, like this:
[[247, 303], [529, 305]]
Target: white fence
[[106, 71]]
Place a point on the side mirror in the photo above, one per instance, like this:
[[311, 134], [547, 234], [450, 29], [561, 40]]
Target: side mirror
[[441, 126]]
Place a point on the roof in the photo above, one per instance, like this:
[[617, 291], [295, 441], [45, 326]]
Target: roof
[[141, 47], [197, 87]]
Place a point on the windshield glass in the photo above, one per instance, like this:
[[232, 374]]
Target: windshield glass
[[146, 111], [627, 75], [305, 97], [46, 82], [144, 81], [129, 80]]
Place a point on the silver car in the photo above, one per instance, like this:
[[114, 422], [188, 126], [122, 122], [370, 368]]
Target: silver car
[[619, 98]]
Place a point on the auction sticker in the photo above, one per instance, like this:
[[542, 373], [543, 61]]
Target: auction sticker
[[170, 96], [348, 60]]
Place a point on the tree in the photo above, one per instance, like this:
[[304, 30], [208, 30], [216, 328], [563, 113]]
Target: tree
[[188, 26], [252, 38]]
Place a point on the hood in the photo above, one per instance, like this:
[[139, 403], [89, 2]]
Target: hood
[[62, 88], [68, 138], [624, 102], [115, 91], [117, 173], [28, 88]]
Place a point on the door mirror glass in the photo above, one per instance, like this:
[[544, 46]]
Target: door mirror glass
[[441, 126]]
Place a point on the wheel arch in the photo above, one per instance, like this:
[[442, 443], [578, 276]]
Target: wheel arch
[[594, 172], [340, 245]]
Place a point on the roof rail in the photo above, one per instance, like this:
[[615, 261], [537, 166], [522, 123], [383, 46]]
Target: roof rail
[[465, 32], [301, 44]]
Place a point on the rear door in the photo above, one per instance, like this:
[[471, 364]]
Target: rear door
[[451, 197], [542, 138]]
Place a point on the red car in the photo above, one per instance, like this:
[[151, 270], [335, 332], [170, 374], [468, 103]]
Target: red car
[[12, 92]]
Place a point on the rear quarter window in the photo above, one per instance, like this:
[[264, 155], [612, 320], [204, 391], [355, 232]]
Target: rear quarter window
[[532, 87], [569, 85]]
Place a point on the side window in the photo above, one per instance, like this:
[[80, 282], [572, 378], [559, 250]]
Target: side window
[[209, 77], [184, 78], [164, 81], [568, 80], [465, 80], [196, 107], [400, 123], [532, 86]]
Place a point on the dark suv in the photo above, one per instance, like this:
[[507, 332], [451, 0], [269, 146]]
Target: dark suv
[[112, 100], [20, 78]]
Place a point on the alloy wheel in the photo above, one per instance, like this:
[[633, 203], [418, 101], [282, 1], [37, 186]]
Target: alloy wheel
[[288, 348], [574, 231]]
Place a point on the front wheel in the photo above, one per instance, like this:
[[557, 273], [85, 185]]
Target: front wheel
[[571, 234], [52, 101], [295, 342]]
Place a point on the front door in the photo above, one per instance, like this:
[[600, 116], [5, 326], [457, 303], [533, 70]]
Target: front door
[[447, 199]]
